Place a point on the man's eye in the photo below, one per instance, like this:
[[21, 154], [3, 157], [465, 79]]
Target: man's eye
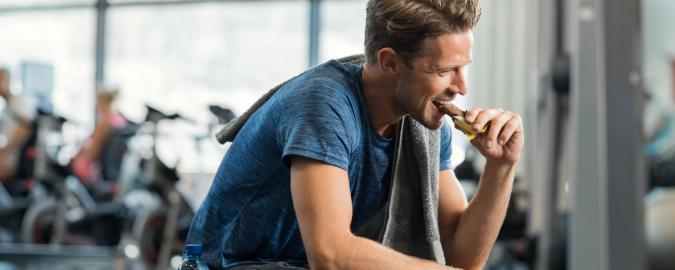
[[443, 73]]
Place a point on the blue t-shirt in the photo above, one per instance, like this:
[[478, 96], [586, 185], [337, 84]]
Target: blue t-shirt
[[248, 215]]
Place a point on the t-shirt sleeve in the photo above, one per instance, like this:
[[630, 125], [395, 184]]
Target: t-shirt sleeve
[[446, 146], [317, 122]]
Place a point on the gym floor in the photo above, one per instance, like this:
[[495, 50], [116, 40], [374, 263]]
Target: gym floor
[[38, 257]]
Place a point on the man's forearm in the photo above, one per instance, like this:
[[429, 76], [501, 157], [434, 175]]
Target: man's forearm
[[361, 253], [479, 225], [322, 204]]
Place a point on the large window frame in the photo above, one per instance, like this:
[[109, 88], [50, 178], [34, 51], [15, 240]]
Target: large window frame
[[102, 7]]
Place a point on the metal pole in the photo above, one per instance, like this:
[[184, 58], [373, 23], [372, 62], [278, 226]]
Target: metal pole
[[99, 65], [314, 31], [606, 222], [101, 6], [543, 186], [588, 243], [625, 155]]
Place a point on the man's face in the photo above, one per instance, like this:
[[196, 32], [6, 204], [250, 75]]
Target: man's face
[[436, 75]]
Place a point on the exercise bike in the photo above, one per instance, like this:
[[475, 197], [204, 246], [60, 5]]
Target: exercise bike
[[17, 194], [162, 232], [69, 213]]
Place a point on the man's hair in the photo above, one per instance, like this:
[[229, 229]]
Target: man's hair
[[404, 24]]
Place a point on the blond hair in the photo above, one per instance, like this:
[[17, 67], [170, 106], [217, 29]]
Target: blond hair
[[107, 95]]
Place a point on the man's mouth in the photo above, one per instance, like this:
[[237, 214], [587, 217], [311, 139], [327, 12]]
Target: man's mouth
[[448, 108], [442, 101]]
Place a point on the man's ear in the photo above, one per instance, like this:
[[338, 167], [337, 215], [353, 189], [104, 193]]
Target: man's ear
[[389, 61]]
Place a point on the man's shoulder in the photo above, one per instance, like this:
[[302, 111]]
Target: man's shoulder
[[333, 74], [329, 83]]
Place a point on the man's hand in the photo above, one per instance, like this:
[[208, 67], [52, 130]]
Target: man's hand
[[504, 140], [468, 231]]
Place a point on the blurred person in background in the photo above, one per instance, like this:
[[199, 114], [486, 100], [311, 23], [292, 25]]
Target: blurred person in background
[[87, 165], [660, 134], [15, 125]]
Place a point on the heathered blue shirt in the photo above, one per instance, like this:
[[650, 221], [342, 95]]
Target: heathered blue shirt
[[247, 215]]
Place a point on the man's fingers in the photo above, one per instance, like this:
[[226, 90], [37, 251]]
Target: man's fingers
[[483, 117], [496, 125], [513, 125], [503, 124], [470, 115]]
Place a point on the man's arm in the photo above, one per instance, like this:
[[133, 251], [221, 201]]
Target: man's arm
[[468, 231], [323, 206]]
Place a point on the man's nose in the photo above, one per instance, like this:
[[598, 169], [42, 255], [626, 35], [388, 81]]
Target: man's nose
[[458, 84]]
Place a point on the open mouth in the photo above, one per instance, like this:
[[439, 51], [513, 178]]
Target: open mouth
[[441, 102], [457, 116], [446, 107]]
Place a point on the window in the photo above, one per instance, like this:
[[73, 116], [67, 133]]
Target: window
[[181, 58], [342, 28], [41, 3], [63, 40], [113, 2]]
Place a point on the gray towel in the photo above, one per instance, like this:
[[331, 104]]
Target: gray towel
[[409, 221], [411, 225]]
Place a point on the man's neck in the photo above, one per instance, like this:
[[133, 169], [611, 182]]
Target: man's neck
[[378, 91]]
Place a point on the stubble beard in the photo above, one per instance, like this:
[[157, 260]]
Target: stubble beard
[[406, 105]]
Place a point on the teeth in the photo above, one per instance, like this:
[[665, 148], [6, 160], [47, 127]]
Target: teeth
[[443, 102]]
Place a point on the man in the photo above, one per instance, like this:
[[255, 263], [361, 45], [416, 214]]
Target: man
[[312, 165], [14, 128]]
